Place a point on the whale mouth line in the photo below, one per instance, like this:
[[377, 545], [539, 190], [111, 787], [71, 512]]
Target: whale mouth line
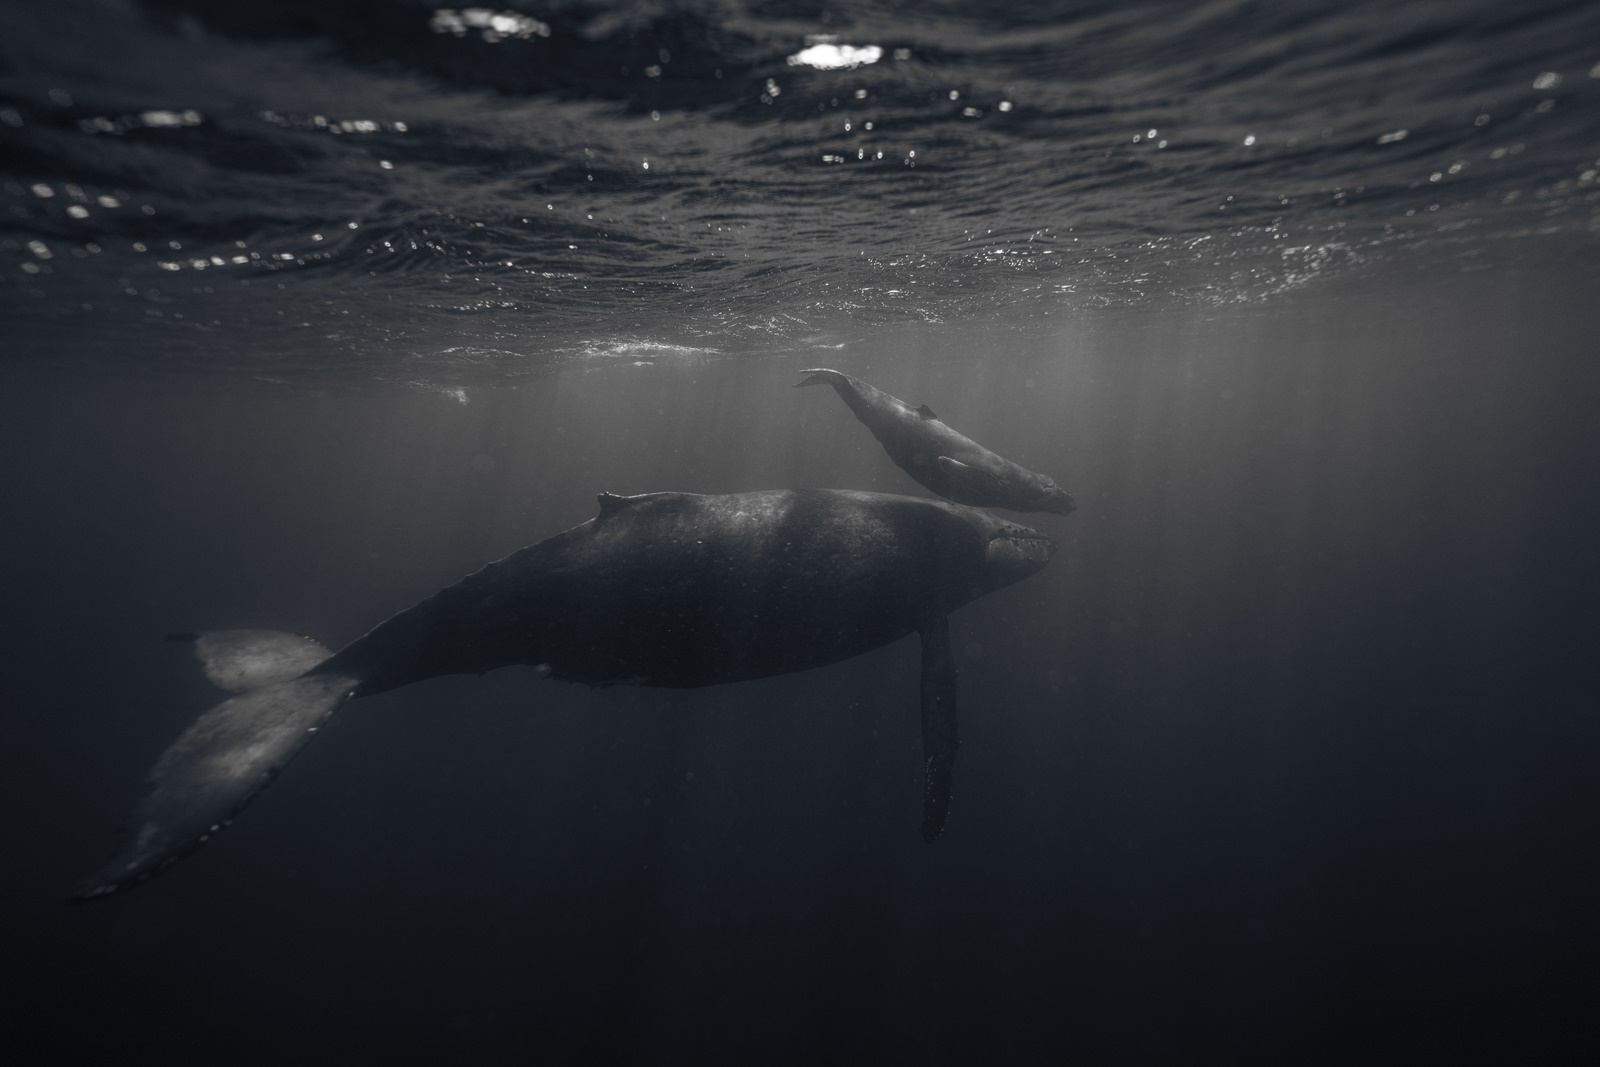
[[1023, 541], [1020, 534]]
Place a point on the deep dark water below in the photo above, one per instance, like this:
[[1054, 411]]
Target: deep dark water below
[[1289, 755]]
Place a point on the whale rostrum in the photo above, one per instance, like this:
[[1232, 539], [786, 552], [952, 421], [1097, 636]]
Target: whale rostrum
[[664, 589], [940, 459]]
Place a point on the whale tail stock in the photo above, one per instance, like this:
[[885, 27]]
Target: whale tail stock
[[230, 753]]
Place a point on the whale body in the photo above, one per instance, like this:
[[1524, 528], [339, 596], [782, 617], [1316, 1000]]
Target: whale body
[[940, 459], [664, 589]]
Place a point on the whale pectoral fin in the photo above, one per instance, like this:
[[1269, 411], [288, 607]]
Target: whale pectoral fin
[[972, 481], [214, 769], [926, 412], [939, 741]]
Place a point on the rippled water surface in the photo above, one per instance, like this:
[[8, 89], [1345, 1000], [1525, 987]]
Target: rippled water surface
[[297, 185]]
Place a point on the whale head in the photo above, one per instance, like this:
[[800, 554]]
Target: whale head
[[1052, 498], [1011, 551]]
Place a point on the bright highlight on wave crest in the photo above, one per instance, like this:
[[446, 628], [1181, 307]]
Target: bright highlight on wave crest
[[495, 26], [825, 53], [161, 120], [642, 353]]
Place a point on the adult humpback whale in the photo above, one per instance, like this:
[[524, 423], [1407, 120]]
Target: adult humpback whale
[[955, 467], [664, 589]]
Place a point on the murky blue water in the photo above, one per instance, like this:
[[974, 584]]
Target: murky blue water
[[307, 309]]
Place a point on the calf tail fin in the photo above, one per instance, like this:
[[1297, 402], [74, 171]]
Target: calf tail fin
[[822, 376], [230, 753]]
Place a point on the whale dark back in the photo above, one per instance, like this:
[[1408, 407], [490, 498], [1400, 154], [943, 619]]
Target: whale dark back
[[675, 589]]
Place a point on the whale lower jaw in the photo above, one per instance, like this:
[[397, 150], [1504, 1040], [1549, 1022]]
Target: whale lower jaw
[[1015, 554]]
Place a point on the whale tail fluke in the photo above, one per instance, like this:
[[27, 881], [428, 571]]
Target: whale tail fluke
[[820, 376], [242, 660], [230, 753]]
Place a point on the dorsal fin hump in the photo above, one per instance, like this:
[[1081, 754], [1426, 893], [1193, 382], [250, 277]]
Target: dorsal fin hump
[[611, 503], [926, 412]]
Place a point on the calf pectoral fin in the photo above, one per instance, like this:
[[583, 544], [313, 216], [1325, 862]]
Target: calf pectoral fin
[[939, 741], [972, 481]]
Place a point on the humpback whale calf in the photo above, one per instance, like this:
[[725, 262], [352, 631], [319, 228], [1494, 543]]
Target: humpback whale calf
[[664, 589], [955, 467]]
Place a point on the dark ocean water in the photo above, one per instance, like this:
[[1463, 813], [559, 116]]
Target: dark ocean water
[[307, 309]]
